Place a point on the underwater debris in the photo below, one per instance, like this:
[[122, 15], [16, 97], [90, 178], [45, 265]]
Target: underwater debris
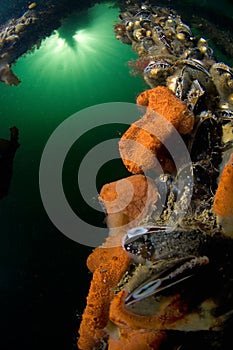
[[7, 153], [177, 286]]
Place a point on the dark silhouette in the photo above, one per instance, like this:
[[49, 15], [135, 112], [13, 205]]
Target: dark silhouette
[[7, 153]]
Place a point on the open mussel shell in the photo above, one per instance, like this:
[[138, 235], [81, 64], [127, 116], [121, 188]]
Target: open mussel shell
[[190, 265], [225, 114], [168, 274]]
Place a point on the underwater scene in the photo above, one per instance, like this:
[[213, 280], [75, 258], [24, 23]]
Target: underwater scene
[[116, 174]]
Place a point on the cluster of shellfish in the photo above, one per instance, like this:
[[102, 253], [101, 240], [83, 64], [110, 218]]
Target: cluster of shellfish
[[11, 32], [174, 57], [13, 40], [173, 279], [170, 55]]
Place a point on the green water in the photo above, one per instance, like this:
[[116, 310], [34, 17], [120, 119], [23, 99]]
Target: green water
[[80, 65]]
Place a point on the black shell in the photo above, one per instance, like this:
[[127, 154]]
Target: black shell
[[159, 244], [206, 156]]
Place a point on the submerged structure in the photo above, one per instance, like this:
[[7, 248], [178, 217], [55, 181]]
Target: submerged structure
[[20, 35], [25, 32], [163, 279]]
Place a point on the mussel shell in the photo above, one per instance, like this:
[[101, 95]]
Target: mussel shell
[[212, 280], [146, 23], [225, 114], [166, 276], [195, 53], [144, 14], [147, 43], [222, 70], [206, 156], [166, 243]]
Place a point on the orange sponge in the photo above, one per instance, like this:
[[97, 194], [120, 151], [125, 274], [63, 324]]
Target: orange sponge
[[223, 201], [142, 144]]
